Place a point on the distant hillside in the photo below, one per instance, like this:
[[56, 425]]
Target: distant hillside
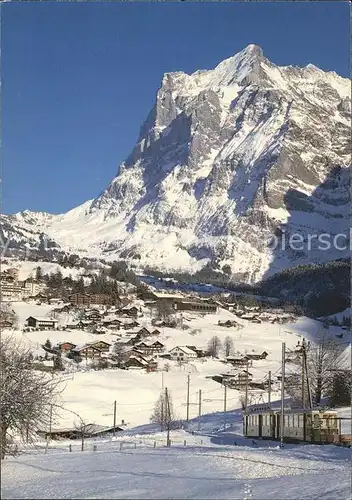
[[321, 289]]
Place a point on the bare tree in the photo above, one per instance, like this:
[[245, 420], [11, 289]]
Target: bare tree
[[228, 346], [118, 353], [27, 395], [214, 346], [163, 412], [164, 310], [8, 314], [323, 360], [242, 400], [82, 428], [293, 387]]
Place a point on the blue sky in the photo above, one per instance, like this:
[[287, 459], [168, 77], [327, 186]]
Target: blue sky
[[78, 79]]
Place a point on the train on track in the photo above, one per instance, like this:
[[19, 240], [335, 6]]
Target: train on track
[[300, 425]]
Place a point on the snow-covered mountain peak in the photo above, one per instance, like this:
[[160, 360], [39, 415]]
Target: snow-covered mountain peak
[[225, 158], [234, 70], [30, 217]]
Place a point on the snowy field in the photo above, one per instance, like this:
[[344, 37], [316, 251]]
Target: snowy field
[[207, 471], [216, 462]]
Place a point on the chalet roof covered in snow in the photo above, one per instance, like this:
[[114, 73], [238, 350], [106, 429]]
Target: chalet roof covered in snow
[[184, 349]]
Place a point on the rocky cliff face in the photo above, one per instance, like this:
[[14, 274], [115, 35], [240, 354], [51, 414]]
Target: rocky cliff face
[[226, 158]]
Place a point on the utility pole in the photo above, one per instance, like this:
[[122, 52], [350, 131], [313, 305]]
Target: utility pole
[[246, 393], [114, 418], [168, 417], [307, 379], [282, 395], [225, 404], [188, 382], [162, 380], [303, 377], [269, 391], [199, 408], [162, 414]]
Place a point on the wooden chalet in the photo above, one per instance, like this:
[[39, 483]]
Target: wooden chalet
[[250, 316], [5, 323], [152, 366], [136, 362], [130, 311], [237, 380], [141, 331], [42, 323], [150, 348], [64, 309], [132, 340], [155, 332], [128, 325], [84, 324], [95, 317], [200, 352], [182, 354], [257, 355], [90, 430], [125, 355], [257, 384], [112, 324], [101, 345], [157, 346], [238, 360], [87, 351], [40, 297], [140, 362], [229, 323], [66, 346]]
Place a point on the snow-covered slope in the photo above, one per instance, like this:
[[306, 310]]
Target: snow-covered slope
[[226, 159]]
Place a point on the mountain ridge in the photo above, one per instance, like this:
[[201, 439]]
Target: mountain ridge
[[209, 177]]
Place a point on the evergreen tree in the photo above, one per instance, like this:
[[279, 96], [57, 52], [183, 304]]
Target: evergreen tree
[[80, 285], [341, 388], [57, 360], [48, 344], [38, 274], [228, 346]]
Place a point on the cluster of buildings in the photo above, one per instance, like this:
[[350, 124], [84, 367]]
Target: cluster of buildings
[[12, 289], [257, 314], [133, 349], [239, 376], [136, 346], [179, 302]]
